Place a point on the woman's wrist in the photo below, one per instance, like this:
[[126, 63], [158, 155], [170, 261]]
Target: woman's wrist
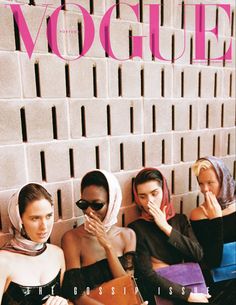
[[167, 229]]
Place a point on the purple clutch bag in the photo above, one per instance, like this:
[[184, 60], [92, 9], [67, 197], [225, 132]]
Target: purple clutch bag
[[186, 274]]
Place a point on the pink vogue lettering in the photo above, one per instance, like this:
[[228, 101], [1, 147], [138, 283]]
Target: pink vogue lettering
[[137, 41]]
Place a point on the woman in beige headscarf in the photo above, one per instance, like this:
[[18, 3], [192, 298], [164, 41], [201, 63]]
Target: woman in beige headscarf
[[31, 269], [98, 250]]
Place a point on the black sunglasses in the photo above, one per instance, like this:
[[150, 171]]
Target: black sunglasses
[[84, 204]]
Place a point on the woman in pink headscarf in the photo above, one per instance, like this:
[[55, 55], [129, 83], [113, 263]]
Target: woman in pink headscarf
[[164, 238], [98, 250]]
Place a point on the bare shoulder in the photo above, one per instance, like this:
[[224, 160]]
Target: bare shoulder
[[55, 249], [7, 261], [72, 235], [197, 214], [129, 237], [128, 233]]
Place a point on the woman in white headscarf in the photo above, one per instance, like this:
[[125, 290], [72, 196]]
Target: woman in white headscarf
[[31, 269], [98, 250]]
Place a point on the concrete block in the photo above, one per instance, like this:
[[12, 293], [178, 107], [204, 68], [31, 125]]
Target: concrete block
[[228, 141], [187, 110], [77, 195], [131, 79], [53, 167], [127, 215], [88, 78], [62, 199], [125, 180], [52, 76], [9, 75], [181, 181], [229, 113], [121, 148], [4, 218], [61, 227], [12, 164], [228, 83], [158, 149], [157, 116], [46, 120], [210, 114], [10, 122], [95, 118], [6, 28], [185, 146]]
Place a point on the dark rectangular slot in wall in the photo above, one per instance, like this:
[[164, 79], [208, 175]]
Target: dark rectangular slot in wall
[[0, 223], [49, 47], [142, 81], [95, 81], [207, 116], [163, 152], [43, 166], [153, 47], [91, 7], [83, 121], [121, 156], [162, 83], [143, 154], [97, 154], [191, 50], [197, 201], [172, 182], [228, 145], [119, 81], [190, 179], [182, 14], [117, 9], [54, 122], [222, 114], [162, 12], [106, 32], [172, 49], [199, 84], [215, 85], [71, 157], [131, 113], [182, 84], [232, 24], [67, 76], [153, 118], [16, 33], [130, 43], [173, 117], [234, 170], [224, 50], [214, 146], [123, 220], [31, 2], [182, 149], [23, 125], [209, 53], [132, 190], [37, 79], [190, 116], [217, 17], [230, 84], [59, 204], [181, 206], [80, 37], [198, 147], [141, 10], [63, 4], [108, 120]]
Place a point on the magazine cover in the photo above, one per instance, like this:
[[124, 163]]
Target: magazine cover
[[112, 88]]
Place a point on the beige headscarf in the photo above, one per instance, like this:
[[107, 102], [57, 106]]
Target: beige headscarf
[[20, 243], [115, 198]]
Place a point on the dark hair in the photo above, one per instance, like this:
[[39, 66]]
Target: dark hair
[[148, 175], [95, 178], [30, 193]]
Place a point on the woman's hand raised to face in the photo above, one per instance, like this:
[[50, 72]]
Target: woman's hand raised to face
[[95, 227], [211, 208], [160, 218]]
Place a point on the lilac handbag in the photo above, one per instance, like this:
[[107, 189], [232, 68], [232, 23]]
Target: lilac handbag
[[186, 274]]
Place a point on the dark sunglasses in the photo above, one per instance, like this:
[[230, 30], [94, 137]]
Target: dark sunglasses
[[84, 204]]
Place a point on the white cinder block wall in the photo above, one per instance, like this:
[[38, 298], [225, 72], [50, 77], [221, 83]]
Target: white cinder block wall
[[62, 118]]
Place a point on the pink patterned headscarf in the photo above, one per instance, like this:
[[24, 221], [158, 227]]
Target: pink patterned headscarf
[[227, 183], [170, 212]]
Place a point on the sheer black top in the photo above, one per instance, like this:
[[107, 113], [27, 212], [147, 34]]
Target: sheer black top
[[31, 295]]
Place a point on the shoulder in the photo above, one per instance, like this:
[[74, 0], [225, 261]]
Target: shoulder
[[128, 234], [55, 249], [71, 235], [197, 214], [7, 262]]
